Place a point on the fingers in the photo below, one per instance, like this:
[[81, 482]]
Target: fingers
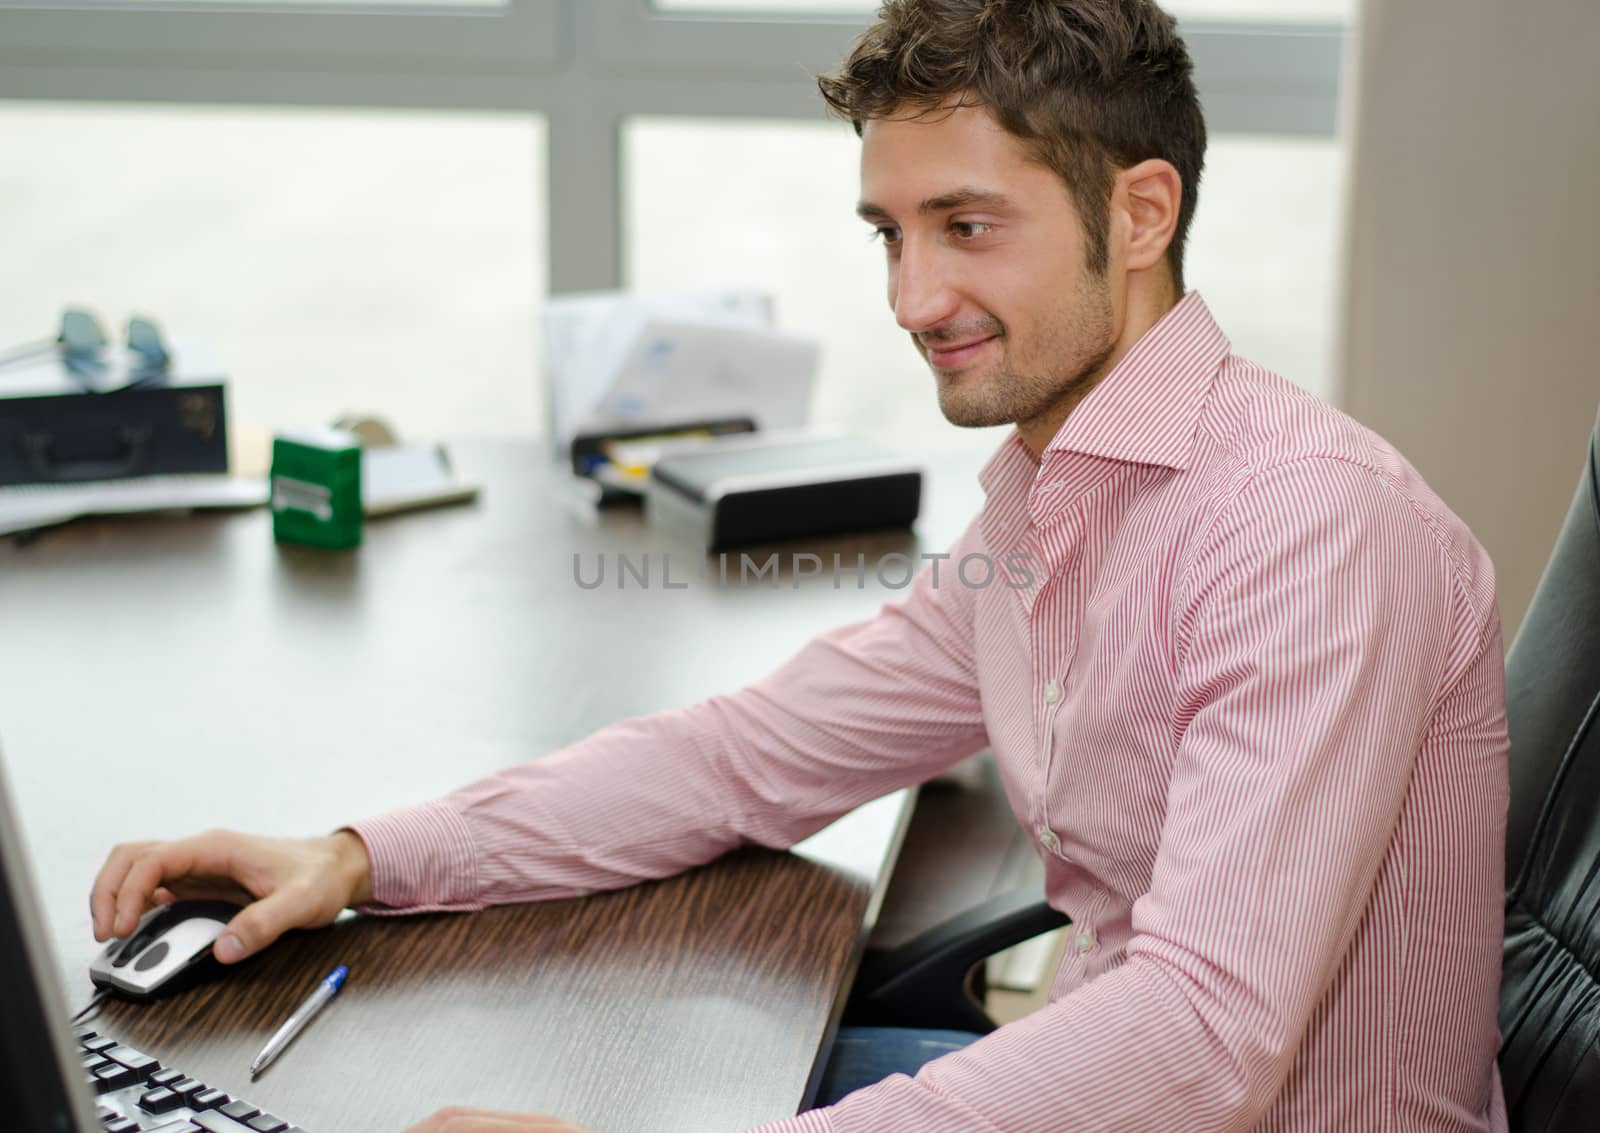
[[103, 895], [145, 873], [258, 925], [133, 874], [283, 884]]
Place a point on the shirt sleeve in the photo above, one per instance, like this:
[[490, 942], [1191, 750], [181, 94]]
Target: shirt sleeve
[[859, 712], [1317, 627]]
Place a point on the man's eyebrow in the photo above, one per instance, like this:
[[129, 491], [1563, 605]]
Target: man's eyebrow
[[959, 198]]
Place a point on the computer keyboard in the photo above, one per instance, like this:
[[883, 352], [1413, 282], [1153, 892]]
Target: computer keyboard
[[136, 1094]]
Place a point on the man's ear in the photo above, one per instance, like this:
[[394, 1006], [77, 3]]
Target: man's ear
[[1150, 196]]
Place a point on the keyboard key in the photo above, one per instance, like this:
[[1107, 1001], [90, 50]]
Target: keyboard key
[[159, 1100], [113, 1076], [84, 1034], [187, 1088], [213, 1122], [113, 1066], [136, 1060]]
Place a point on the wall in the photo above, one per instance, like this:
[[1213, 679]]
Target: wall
[[1473, 258]]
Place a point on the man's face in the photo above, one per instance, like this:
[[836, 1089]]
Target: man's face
[[987, 266]]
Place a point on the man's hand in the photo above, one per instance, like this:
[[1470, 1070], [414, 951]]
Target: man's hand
[[283, 883], [460, 1119]]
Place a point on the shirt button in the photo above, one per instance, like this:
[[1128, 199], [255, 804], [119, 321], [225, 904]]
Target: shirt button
[[1084, 941], [1047, 838], [1052, 692]]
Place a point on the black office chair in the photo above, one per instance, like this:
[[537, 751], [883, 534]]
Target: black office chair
[[1550, 994], [954, 901]]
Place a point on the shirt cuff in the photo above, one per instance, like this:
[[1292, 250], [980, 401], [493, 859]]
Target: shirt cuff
[[423, 859]]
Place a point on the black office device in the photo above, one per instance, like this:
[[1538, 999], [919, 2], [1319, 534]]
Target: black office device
[[55, 1080], [589, 450], [55, 428], [768, 488]]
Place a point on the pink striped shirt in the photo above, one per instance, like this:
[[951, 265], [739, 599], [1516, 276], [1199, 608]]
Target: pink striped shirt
[[1242, 674]]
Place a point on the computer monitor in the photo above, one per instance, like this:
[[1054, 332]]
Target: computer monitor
[[39, 1065]]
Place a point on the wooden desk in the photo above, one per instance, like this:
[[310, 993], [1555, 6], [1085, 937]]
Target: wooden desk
[[164, 675]]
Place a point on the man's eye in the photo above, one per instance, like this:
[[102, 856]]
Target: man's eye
[[887, 234], [970, 229]]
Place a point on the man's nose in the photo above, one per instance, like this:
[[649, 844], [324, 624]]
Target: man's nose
[[920, 291]]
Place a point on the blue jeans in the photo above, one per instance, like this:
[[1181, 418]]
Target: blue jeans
[[864, 1055]]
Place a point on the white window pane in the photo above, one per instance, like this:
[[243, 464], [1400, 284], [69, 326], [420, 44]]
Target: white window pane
[[860, 7], [771, 205], [371, 261], [1265, 250], [1274, 10], [302, 3]]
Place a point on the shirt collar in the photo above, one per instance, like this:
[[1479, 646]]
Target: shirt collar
[[1145, 410]]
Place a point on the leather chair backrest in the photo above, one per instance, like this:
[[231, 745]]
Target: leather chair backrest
[[1550, 996]]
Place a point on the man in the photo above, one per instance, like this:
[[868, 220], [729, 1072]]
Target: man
[[1241, 670]]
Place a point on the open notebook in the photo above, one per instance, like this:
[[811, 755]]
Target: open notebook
[[393, 478]]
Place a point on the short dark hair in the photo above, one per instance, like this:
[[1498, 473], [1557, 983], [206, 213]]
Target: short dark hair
[[1092, 86]]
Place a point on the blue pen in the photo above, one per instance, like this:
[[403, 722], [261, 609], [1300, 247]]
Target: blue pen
[[303, 1014]]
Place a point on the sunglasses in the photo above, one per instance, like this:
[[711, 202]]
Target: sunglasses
[[85, 350]]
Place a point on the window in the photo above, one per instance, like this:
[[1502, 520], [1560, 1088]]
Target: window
[[556, 76], [771, 205], [1274, 10], [314, 3], [374, 261]]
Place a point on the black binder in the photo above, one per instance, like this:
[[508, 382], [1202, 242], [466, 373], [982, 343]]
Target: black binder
[[54, 428]]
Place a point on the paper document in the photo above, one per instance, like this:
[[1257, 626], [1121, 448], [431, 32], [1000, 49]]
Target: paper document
[[686, 372], [26, 506], [400, 477], [615, 360], [394, 478]]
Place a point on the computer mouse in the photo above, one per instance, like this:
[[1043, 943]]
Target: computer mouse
[[169, 951]]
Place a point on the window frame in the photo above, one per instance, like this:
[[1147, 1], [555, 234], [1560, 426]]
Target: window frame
[[354, 36], [584, 65]]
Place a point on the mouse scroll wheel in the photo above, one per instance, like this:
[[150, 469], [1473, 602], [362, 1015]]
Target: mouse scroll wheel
[[151, 956], [131, 947]]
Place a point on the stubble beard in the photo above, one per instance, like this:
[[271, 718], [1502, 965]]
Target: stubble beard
[[1075, 346]]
